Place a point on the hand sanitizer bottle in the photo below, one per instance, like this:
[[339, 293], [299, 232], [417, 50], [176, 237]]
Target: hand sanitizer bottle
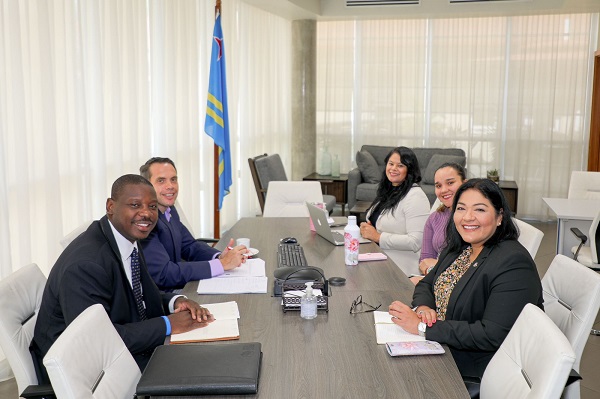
[[351, 235], [308, 303]]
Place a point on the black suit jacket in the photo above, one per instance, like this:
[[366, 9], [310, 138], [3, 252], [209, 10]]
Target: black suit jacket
[[174, 256], [484, 304], [90, 271]]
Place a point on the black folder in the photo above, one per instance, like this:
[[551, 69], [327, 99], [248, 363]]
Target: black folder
[[204, 369]]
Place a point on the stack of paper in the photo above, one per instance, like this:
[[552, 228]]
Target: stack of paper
[[386, 331], [248, 278], [225, 326]]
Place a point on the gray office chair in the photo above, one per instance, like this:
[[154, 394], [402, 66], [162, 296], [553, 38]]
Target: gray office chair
[[572, 300], [20, 300], [90, 360], [267, 168]]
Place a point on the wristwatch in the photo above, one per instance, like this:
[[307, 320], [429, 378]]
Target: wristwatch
[[422, 327]]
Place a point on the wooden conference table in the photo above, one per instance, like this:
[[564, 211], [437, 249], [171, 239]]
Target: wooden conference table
[[335, 355]]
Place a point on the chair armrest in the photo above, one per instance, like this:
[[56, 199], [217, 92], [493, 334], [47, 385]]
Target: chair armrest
[[573, 376], [38, 391], [212, 241], [582, 237], [354, 179]]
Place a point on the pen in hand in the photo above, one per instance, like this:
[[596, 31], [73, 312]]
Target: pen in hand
[[230, 248]]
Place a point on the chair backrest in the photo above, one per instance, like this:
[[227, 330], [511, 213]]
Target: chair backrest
[[265, 169], [436, 204], [89, 359], [534, 360], [20, 300], [288, 198], [594, 238], [66, 240], [572, 300], [584, 185], [529, 236]]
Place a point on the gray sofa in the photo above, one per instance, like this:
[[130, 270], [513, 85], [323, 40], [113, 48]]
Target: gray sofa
[[364, 179]]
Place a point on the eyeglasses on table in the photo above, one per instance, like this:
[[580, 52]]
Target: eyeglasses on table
[[359, 306]]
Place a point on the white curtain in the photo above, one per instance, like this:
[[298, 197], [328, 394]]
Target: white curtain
[[513, 92], [89, 90]]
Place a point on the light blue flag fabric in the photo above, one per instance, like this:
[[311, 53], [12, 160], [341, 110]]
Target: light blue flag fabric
[[217, 118]]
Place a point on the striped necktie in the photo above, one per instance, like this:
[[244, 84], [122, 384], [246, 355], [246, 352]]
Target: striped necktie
[[136, 284]]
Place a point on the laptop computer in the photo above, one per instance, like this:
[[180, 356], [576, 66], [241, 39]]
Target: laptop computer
[[319, 218]]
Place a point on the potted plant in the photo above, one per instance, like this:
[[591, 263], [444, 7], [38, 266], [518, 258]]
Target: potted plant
[[493, 175]]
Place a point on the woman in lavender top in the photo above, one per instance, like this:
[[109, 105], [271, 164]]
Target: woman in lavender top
[[448, 177]]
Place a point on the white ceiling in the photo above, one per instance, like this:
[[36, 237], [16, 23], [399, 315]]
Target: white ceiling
[[337, 9]]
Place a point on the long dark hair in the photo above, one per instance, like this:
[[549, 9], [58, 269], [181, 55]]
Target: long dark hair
[[490, 190], [388, 196]]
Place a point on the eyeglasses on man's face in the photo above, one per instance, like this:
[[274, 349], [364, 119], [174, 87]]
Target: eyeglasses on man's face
[[359, 306]]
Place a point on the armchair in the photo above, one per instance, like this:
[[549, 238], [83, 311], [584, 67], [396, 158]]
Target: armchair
[[267, 168], [20, 300]]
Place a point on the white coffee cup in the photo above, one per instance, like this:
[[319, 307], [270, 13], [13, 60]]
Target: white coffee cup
[[243, 241]]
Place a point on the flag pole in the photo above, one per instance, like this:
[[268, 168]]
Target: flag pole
[[216, 211]]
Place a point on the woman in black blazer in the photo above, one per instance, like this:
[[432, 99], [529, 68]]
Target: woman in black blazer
[[483, 279]]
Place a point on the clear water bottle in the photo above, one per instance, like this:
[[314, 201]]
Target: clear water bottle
[[335, 166], [351, 242], [325, 162], [308, 303]]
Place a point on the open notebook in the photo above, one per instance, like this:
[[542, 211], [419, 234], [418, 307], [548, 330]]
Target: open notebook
[[225, 327], [386, 331]]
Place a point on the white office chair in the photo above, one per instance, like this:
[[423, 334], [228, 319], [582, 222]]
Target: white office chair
[[20, 300], [90, 360], [66, 240], [288, 198], [534, 360], [584, 185], [529, 236], [435, 206], [588, 256], [572, 301]]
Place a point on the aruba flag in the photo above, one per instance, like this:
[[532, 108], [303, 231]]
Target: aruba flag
[[217, 118]]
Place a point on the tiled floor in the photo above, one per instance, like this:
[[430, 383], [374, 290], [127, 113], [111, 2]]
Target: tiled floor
[[590, 362]]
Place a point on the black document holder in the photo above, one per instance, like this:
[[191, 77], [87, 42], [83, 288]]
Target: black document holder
[[205, 369]]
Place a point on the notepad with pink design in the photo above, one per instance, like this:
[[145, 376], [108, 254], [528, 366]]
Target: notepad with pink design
[[410, 348]]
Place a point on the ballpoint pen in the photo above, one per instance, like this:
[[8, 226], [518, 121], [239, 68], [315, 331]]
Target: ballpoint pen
[[246, 255]]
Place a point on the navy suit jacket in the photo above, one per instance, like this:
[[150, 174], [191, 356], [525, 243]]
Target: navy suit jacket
[[484, 304], [173, 255], [90, 271]]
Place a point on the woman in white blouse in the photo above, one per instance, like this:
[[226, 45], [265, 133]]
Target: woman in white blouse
[[396, 218]]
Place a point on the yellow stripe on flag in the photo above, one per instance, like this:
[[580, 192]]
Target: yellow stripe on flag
[[214, 115], [213, 100]]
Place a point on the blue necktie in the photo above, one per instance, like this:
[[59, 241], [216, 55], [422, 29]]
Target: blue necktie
[[168, 214], [136, 284]]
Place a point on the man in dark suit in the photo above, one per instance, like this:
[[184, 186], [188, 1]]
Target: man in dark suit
[[174, 256], [105, 265]]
